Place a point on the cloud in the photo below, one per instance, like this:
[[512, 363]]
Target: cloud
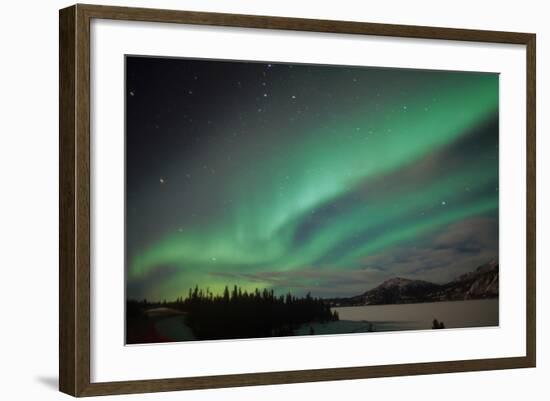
[[443, 255], [438, 257], [452, 251], [319, 281]]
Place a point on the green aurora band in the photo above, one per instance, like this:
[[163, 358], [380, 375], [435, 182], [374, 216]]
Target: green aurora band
[[269, 225]]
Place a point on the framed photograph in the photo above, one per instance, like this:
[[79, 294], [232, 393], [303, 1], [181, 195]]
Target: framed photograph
[[250, 200]]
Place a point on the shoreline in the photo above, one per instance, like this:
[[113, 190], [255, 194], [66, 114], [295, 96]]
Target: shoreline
[[417, 303]]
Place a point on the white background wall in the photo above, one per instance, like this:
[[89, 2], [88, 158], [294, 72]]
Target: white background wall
[[29, 184]]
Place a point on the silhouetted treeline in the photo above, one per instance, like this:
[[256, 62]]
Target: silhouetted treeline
[[237, 313]]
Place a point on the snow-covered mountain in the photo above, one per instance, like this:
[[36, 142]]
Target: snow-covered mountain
[[478, 284], [398, 290]]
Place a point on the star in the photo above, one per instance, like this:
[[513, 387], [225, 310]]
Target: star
[[162, 180], [132, 93], [443, 203]]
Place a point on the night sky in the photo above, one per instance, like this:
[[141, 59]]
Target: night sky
[[300, 177]]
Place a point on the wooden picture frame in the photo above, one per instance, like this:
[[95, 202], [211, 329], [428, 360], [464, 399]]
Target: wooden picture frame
[[74, 204]]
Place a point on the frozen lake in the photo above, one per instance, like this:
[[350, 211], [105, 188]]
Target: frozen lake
[[454, 314]]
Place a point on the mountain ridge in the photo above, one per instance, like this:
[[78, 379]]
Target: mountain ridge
[[480, 283]]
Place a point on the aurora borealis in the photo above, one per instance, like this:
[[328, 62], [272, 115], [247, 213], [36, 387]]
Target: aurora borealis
[[297, 177]]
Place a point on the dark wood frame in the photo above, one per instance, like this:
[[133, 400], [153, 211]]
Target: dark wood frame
[[74, 200]]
